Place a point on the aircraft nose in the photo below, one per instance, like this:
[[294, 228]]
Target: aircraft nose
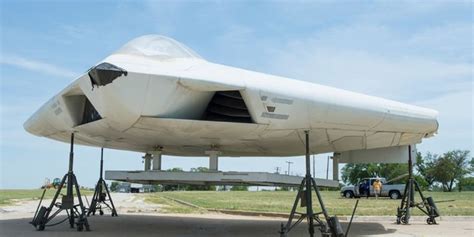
[[38, 124], [31, 125]]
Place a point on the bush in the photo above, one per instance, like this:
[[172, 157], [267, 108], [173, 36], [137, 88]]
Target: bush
[[239, 188], [466, 184]]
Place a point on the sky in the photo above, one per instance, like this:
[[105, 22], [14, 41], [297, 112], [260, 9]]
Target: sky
[[416, 52]]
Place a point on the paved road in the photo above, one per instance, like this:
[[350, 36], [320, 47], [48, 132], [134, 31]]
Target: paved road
[[14, 222], [219, 225]]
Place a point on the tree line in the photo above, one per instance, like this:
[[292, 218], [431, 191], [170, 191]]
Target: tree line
[[449, 171]]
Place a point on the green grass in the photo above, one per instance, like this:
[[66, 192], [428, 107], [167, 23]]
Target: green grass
[[10, 196], [281, 202]]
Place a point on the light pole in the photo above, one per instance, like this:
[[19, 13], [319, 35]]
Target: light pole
[[289, 164], [327, 168]]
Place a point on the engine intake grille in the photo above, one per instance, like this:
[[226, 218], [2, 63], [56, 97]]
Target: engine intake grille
[[227, 106]]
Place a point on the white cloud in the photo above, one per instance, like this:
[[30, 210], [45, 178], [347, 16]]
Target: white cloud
[[378, 60], [456, 126], [431, 67], [239, 35], [37, 66], [408, 11], [409, 78], [65, 34], [449, 42]]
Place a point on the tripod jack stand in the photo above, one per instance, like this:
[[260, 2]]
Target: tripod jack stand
[[427, 205], [100, 197], [331, 225], [76, 213]]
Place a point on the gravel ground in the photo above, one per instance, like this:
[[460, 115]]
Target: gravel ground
[[124, 202]]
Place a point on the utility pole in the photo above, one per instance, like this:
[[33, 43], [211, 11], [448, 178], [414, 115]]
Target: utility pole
[[277, 170], [289, 164], [327, 168]]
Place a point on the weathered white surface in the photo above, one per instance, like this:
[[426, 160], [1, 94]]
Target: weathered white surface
[[399, 154], [167, 88], [212, 178]]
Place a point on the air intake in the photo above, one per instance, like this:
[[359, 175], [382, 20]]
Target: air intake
[[227, 106], [90, 113]]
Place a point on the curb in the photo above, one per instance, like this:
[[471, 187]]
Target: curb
[[344, 218], [184, 203], [250, 213]]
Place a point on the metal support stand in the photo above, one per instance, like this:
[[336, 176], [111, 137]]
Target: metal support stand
[[147, 160], [331, 225], [157, 159], [76, 213], [213, 160], [101, 199], [426, 205]]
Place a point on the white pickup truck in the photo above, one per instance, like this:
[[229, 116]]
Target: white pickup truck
[[394, 191]]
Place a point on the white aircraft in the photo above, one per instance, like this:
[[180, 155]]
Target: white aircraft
[[155, 93]]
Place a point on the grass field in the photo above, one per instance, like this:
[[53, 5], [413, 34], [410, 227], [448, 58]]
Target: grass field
[[10, 196], [281, 202]]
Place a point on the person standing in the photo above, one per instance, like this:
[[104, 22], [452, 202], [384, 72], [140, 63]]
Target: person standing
[[367, 188], [377, 185], [364, 189]]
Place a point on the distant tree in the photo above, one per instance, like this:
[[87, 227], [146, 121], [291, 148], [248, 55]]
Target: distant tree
[[466, 184], [352, 173], [283, 188], [222, 188], [425, 167], [189, 187], [396, 172], [113, 186], [451, 167], [422, 182], [200, 169], [239, 188], [174, 187], [201, 187], [472, 165], [157, 188]]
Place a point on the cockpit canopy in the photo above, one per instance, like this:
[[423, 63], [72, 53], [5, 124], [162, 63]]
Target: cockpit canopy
[[157, 46]]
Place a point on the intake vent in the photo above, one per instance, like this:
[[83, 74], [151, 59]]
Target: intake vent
[[227, 106], [90, 113]]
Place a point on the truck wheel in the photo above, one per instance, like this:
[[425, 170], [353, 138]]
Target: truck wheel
[[348, 194], [394, 195]]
